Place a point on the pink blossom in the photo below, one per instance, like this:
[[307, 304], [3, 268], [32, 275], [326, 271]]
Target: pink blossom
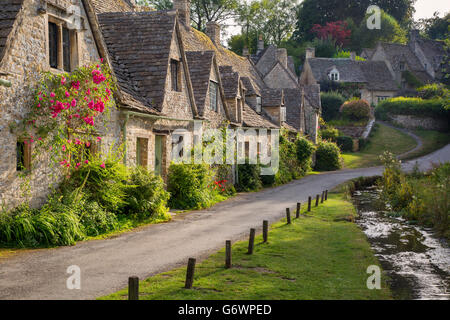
[[73, 103], [101, 60], [63, 148], [78, 165], [52, 95], [87, 161], [77, 141], [67, 94], [76, 85], [40, 98], [103, 165], [63, 80], [38, 105], [99, 139], [88, 144]]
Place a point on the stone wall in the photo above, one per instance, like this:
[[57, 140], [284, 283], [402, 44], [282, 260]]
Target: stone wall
[[415, 122], [23, 63]]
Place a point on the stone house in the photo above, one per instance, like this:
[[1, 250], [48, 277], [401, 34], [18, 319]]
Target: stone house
[[169, 76]]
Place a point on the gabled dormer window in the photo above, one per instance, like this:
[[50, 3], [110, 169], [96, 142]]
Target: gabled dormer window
[[334, 75], [402, 66], [258, 104]]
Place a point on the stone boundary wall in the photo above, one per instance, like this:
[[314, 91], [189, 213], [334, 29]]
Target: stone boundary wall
[[415, 122]]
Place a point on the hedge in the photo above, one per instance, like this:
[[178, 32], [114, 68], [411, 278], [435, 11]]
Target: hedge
[[434, 108], [331, 103], [345, 143], [328, 157]]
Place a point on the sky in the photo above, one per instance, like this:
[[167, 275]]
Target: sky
[[424, 9]]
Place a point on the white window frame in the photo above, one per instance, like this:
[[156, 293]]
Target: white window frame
[[258, 104]]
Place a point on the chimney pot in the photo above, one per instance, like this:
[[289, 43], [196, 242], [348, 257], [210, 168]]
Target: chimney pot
[[213, 31], [245, 51], [310, 53], [260, 43], [184, 11]]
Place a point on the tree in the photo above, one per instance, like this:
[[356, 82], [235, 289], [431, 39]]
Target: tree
[[337, 31], [204, 11], [436, 28], [311, 12], [156, 4]]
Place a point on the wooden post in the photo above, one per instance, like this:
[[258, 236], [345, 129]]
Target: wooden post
[[251, 241], [228, 254], [317, 200], [309, 204], [288, 215], [299, 205], [323, 197], [326, 195], [190, 274], [265, 230], [133, 288]]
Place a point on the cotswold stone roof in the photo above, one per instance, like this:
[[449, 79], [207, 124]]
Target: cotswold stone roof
[[251, 88], [200, 64], [293, 103], [349, 70], [139, 45], [252, 119], [434, 50], [272, 97], [230, 82], [103, 6], [378, 76], [8, 14]]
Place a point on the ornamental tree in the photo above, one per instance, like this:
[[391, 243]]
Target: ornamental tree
[[68, 111]]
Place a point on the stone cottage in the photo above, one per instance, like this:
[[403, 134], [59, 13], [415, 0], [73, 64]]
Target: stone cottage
[[169, 76]]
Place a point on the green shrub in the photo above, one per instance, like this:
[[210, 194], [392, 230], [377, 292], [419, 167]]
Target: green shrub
[[96, 220], [345, 143], [433, 91], [434, 108], [328, 157], [362, 143], [304, 152], [329, 134], [249, 177], [356, 110], [147, 198], [190, 186], [331, 104], [411, 79]]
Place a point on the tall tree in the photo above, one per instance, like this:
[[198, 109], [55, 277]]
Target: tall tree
[[320, 12], [156, 4], [435, 27], [204, 11]]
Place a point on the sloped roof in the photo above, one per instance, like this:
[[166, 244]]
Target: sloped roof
[[200, 64], [272, 97], [251, 88], [139, 45], [103, 6], [8, 14], [378, 76], [349, 70], [230, 82], [399, 52], [368, 52], [434, 50], [252, 119], [293, 103]]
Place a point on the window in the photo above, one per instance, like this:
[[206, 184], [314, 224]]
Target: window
[[142, 152], [62, 46], [23, 150], [334, 76], [175, 77], [258, 104], [213, 95], [402, 66], [283, 114], [382, 98]]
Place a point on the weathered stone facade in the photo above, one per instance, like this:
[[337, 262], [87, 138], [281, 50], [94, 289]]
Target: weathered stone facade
[[415, 122]]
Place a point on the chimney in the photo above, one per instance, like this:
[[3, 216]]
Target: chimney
[[245, 51], [260, 44], [282, 57], [353, 55], [184, 11], [213, 31], [414, 35], [310, 53]]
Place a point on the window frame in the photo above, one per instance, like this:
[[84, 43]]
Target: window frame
[[258, 104], [283, 114], [213, 90], [175, 75], [142, 148], [23, 164], [65, 43]]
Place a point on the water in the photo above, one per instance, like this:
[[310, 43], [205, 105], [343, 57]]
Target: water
[[416, 261]]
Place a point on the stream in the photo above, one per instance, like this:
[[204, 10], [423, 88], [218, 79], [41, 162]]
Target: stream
[[415, 260]]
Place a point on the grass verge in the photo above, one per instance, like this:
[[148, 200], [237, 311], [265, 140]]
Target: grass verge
[[432, 141], [383, 139], [320, 256]]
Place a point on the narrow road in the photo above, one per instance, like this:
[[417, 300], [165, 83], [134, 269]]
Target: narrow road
[[106, 265]]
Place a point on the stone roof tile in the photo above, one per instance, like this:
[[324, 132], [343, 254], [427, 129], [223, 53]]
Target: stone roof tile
[[8, 14]]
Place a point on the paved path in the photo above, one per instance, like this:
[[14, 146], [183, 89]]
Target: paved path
[[107, 264], [409, 133]]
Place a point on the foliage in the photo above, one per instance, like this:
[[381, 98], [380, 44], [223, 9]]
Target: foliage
[[419, 197], [95, 220], [342, 54], [411, 79], [147, 197], [331, 104], [67, 112], [436, 28], [345, 143], [336, 30], [356, 110], [190, 186], [305, 150], [433, 91], [347, 90], [329, 133], [219, 11], [248, 177], [328, 157], [434, 108], [156, 4]]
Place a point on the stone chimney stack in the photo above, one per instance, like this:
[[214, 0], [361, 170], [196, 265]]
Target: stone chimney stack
[[414, 35], [213, 31], [260, 44], [353, 56], [310, 53], [184, 11], [245, 51]]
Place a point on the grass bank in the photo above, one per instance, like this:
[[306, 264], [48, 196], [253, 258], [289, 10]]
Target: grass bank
[[320, 256], [432, 141], [383, 139]]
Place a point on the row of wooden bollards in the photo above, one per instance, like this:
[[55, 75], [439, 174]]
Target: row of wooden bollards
[[133, 282]]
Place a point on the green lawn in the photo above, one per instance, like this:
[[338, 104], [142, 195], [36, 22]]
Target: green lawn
[[383, 139], [432, 141], [320, 256]]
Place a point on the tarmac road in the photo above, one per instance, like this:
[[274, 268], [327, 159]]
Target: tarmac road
[[106, 264]]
